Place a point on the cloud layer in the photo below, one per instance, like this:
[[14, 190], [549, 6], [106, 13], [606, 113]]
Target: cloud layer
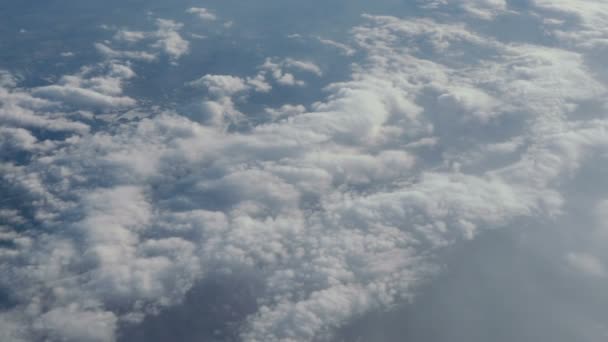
[[336, 208]]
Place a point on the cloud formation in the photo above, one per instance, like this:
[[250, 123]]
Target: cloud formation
[[166, 39], [202, 13], [337, 208]]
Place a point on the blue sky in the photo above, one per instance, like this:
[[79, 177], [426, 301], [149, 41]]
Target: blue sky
[[303, 171]]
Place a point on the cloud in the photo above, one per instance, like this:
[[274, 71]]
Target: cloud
[[219, 109], [97, 92], [130, 36], [71, 324], [202, 13], [586, 263], [169, 40], [19, 109], [259, 83], [82, 96], [19, 139], [337, 208], [131, 55], [303, 66], [276, 68], [166, 39], [221, 85], [281, 77], [485, 9], [285, 111], [479, 9], [345, 49], [584, 24]]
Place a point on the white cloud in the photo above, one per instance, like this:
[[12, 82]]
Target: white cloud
[[19, 109], [219, 109], [165, 39], [131, 55], [280, 76], [259, 83], [73, 324], [89, 91], [344, 48], [202, 13], [285, 111], [303, 66], [479, 9], [276, 69], [82, 96], [221, 85], [20, 139], [130, 36], [169, 39], [473, 102], [591, 24], [485, 9]]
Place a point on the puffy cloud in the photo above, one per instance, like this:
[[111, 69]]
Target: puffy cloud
[[130, 36], [202, 13], [276, 68], [259, 83], [20, 109], [18, 139], [285, 111], [165, 39], [472, 102], [169, 40], [303, 66], [589, 18], [72, 324], [88, 91], [281, 77], [219, 109], [82, 97], [221, 85]]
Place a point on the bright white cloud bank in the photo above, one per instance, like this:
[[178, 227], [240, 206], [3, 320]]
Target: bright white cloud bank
[[337, 209]]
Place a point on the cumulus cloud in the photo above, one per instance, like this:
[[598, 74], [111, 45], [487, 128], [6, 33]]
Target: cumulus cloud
[[219, 108], [221, 85], [285, 111], [20, 109], [130, 36], [169, 40], [166, 39], [276, 69], [303, 66], [88, 91], [590, 19]]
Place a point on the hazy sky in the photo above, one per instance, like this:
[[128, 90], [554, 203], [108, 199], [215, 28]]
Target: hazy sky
[[425, 170]]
